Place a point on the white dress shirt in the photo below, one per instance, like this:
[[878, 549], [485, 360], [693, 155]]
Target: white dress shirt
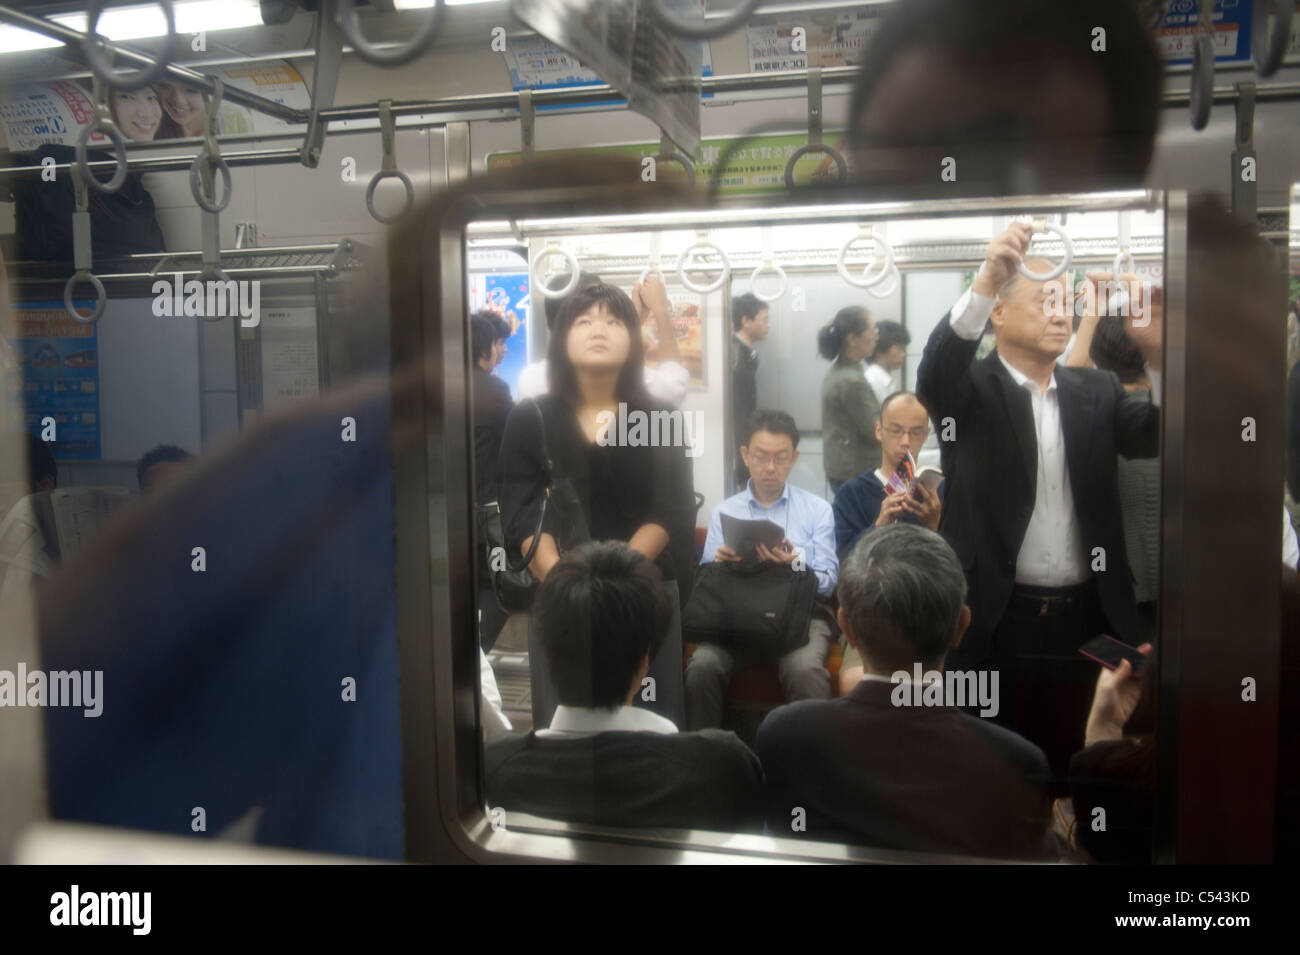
[[1052, 553], [494, 719], [881, 382], [572, 721]]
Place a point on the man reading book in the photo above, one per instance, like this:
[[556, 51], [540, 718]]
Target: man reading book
[[891, 493], [770, 451]]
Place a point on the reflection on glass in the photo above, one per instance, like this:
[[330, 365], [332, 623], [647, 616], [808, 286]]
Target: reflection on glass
[[891, 577]]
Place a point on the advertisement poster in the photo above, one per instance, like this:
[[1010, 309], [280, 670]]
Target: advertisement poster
[[830, 39], [630, 52], [758, 167], [53, 113], [506, 294], [290, 363], [689, 317], [1232, 22], [57, 377]]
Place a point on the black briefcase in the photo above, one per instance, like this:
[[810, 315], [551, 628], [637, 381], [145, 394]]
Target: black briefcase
[[762, 608]]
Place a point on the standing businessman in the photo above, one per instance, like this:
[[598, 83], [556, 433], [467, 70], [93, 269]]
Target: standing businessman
[[1032, 506]]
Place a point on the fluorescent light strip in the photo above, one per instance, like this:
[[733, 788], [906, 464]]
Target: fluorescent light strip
[[426, 4], [142, 21], [675, 220]]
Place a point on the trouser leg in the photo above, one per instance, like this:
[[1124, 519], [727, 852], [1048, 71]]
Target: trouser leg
[[803, 672], [708, 673]]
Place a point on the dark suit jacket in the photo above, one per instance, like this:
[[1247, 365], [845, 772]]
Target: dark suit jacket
[[925, 779], [991, 471], [492, 406], [703, 780]]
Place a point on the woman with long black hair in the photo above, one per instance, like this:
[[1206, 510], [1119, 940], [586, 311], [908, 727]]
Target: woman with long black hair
[[605, 482], [849, 406]]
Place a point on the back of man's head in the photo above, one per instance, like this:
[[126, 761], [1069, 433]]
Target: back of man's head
[[482, 334], [901, 590], [164, 454], [1020, 94], [601, 611]]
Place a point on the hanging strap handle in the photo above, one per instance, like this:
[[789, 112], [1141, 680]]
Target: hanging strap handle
[[208, 162], [82, 253], [388, 166], [101, 122], [527, 124], [815, 144], [1245, 191]]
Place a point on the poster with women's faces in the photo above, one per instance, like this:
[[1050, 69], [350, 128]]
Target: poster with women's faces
[[54, 113]]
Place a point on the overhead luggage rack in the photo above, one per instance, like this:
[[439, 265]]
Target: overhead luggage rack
[[265, 262]]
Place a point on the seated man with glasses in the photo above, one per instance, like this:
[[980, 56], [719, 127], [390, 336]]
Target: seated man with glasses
[[770, 452], [866, 501]]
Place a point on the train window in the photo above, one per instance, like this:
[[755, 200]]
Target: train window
[[670, 444], [563, 438]]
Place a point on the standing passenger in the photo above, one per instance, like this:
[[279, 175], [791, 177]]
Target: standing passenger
[[491, 406], [749, 324], [890, 353], [667, 383], [1032, 508], [849, 406], [622, 482]]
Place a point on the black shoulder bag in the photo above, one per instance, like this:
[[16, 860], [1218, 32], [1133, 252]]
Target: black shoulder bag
[[514, 585], [761, 607]]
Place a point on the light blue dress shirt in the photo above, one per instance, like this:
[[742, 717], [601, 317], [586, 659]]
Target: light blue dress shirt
[[808, 521]]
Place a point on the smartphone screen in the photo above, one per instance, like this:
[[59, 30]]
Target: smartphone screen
[[1109, 652]]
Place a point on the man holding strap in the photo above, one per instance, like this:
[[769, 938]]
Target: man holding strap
[[1032, 503]]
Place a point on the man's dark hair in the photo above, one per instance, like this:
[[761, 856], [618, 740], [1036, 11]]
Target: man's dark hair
[[891, 334], [1113, 350], [157, 455], [551, 306], [560, 370], [773, 422], [484, 333], [601, 610], [1028, 32], [902, 588], [501, 325], [745, 306], [40, 460]]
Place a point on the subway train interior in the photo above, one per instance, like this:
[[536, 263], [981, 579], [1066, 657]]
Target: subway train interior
[[650, 431]]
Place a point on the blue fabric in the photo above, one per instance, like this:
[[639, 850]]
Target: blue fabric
[[808, 522], [223, 689]]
